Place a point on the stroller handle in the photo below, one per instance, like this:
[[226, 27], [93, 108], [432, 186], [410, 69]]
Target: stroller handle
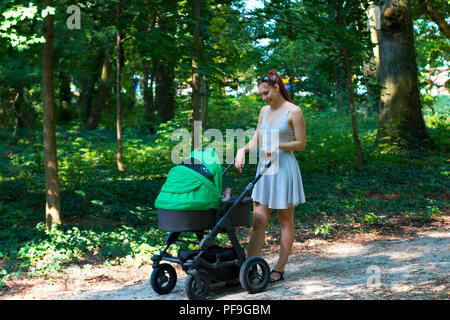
[[258, 153]]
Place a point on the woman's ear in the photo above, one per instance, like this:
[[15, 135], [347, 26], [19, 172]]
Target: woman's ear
[[277, 87]]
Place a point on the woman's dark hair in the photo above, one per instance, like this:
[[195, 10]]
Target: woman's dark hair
[[271, 78]]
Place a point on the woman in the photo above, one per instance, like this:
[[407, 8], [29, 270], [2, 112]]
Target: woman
[[283, 189]]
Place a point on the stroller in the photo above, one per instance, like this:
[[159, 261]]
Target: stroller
[[190, 201]]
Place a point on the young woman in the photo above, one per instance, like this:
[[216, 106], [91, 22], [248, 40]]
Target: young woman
[[282, 189]]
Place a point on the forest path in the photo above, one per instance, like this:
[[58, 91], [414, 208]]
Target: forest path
[[408, 263]]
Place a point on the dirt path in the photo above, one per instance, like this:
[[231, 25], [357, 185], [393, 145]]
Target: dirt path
[[411, 264]]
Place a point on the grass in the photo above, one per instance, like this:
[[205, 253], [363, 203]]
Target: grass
[[110, 213]]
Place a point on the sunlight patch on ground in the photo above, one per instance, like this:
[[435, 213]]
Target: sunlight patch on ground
[[343, 249]]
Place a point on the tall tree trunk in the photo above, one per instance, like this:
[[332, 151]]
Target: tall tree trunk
[[119, 105], [203, 100], [52, 207], [87, 93], [15, 105], [165, 66], [350, 92], [102, 94], [148, 91], [371, 66], [64, 97], [288, 69], [195, 64], [373, 25], [165, 95], [352, 108], [401, 118], [197, 78]]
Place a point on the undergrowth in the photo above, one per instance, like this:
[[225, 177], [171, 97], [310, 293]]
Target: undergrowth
[[111, 215]]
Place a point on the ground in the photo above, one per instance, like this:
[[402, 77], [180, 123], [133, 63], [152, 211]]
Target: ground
[[405, 260]]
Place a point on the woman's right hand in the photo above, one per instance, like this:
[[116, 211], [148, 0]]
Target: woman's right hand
[[239, 160]]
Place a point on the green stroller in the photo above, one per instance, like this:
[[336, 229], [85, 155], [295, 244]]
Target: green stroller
[[190, 201]]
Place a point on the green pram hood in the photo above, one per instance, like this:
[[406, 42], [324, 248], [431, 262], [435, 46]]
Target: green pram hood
[[194, 185]]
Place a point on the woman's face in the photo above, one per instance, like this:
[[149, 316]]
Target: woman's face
[[268, 93]]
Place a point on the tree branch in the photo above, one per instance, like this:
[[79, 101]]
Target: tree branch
[[436, 14]]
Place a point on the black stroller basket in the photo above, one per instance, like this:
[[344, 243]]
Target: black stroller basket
[[210, 264]]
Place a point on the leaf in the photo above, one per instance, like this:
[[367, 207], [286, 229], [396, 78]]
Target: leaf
[[81, 193], [47, 11]]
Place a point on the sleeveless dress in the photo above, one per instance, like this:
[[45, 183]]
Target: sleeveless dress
[[281, 186]]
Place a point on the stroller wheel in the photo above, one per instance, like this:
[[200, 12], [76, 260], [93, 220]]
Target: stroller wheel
[[163, 278], [197, 287], [254, 274]]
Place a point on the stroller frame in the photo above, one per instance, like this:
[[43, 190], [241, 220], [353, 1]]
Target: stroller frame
[[199, 270]]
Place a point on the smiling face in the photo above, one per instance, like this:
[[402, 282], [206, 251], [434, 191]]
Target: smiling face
[[268, 93]]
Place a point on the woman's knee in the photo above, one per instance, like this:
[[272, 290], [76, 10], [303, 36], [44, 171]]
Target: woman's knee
[[286, 218], [259, 221], [261, 217]]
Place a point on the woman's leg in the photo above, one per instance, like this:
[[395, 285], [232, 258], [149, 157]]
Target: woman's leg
[[261, 216], [286, 220]]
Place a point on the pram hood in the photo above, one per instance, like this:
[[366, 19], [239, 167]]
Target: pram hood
[[194, 185]]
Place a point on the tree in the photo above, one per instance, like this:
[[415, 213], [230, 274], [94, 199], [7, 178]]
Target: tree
[[52, 207], [101, 98], [349, 86], [198, 78], [438, 11], [329, 46], [165, 61], [118, 90], [401, 116], [20, 54]]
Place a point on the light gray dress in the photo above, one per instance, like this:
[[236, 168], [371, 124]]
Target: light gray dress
[[281, 186]]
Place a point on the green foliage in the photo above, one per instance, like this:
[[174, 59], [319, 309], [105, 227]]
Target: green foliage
[[112, 215], [12, 26], [50, 250], [373, 219], [306, 42], [431, 45], [430, 212], [325, 227]]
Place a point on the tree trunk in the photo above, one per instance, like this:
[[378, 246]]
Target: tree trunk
[[18, 121], [371, 66], [87, 93], [102, 94], [148, 92], [203, 100], [352, 108], [52, 208], [199, 101], [64, 97], [373, 25], [119, 106], [196, 78], [165, 94], [288, 70], [350, 92], [400, 117], [165, 66]]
